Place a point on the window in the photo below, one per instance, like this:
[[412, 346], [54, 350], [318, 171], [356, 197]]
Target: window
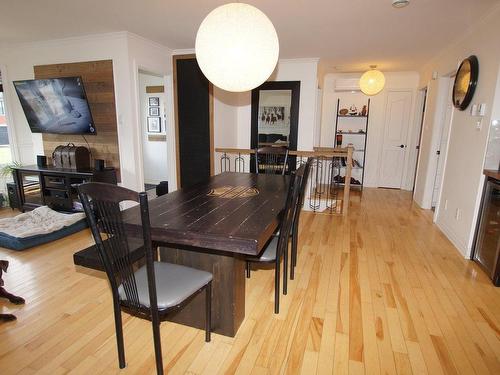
[[2, 107]]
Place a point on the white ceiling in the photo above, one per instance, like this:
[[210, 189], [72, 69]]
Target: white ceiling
[[348, 34]]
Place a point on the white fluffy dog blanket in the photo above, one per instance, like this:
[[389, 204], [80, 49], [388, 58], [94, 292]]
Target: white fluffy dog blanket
[[41, 220]]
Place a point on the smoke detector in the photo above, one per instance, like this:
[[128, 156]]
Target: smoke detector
[[400, 3]]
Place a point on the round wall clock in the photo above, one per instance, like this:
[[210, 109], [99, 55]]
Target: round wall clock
[[465, 82]]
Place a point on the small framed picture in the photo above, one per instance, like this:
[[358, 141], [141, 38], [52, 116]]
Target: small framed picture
[[154, 111], [154, 101], [154, 125]]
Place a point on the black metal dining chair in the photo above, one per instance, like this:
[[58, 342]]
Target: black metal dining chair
[[271, 160], [149, 291], [277, 248], [303, 172]]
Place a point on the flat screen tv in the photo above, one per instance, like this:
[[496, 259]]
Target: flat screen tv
[[56, 105]]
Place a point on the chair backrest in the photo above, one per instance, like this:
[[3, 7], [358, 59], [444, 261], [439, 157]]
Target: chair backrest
[[271, 160], [303, 174], [103, 207], [305, 178], [288, 214]]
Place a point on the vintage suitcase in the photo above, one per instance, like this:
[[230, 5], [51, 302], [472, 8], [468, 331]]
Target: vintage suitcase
[[57, 157], [71, 157]]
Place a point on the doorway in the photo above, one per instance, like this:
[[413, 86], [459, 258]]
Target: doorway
[[194, 120], [444, 132], [395, 148], [422, 104], [152, 112], [5, 151]]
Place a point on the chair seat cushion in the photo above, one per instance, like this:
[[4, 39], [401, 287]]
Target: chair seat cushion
[[174, 284], [269, 253]]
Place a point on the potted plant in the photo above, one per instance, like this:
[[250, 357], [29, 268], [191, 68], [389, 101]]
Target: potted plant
[[5, 174]]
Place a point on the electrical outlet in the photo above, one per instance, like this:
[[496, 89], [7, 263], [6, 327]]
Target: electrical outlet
[[457, 214]]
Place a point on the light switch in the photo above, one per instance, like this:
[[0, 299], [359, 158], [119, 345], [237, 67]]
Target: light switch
[[482, 109], [473, 110]]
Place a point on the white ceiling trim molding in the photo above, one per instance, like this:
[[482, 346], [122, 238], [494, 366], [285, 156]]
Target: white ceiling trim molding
[[300, 60], [150, 42], [118, 35], [185, 51]]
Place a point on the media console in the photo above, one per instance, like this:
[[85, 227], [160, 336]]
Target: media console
[[55, 187]]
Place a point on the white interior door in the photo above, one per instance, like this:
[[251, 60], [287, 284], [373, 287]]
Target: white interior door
[[394, 148], [443, 144]]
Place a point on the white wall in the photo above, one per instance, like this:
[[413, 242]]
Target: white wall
[[394, 81], [303, 70], [155, 157], [127, 52], [225, 121], [493, 150], [463, 178], [232, 111]]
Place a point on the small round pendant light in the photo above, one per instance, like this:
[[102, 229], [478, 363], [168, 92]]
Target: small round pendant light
[[237, 47], [372, 81]]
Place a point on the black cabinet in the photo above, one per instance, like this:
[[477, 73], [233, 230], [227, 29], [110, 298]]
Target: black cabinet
[[55, 187], [487, 246]]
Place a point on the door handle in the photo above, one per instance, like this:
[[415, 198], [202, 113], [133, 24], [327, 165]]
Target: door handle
[[402, 146]]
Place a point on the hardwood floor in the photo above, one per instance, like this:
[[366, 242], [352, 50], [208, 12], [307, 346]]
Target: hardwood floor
[[382, 291]]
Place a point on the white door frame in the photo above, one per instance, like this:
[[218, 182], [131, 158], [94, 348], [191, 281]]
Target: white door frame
[[167, 83], [444, 155], [9, 115], [420, 109]]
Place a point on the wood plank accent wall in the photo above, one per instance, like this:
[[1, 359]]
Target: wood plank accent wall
[[97, 77]]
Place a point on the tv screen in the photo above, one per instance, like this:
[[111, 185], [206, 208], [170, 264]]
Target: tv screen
[[56, 105]]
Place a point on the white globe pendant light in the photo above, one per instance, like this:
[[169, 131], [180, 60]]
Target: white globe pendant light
[[372, 81], [237, 47]]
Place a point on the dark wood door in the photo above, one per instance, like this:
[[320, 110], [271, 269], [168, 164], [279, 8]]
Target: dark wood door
[[193, 120]]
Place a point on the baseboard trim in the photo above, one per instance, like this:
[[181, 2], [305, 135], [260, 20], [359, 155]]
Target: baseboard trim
[[454, 239]]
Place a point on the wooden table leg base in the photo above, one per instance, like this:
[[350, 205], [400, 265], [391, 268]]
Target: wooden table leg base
[[228, 290]]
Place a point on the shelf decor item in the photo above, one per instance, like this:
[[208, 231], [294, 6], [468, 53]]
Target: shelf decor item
[[343, 112], [237, 47], [154, 125], [338, 139]]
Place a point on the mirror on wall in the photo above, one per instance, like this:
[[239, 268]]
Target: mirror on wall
[[275, 115], [275, 112], [465, 82]]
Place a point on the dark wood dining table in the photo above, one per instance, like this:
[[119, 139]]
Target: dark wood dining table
[[213, 226]]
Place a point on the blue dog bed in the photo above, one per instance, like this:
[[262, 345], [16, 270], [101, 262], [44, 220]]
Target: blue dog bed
[[19, 244], [37, 227]]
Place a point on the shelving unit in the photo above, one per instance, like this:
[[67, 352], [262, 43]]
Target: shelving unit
[[341, 121], [54, 187]]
